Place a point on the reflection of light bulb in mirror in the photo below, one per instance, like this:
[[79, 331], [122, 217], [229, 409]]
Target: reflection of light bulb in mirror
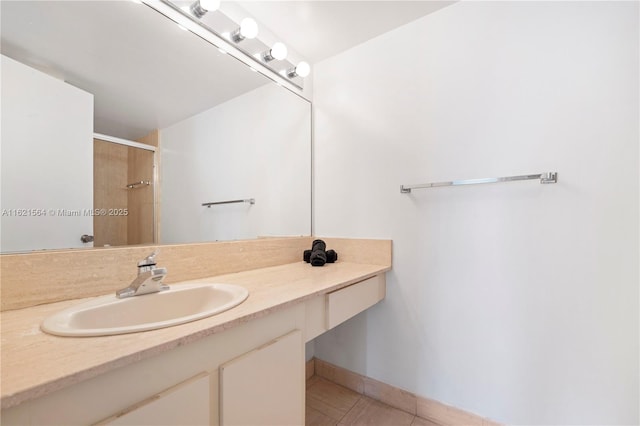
[[303, 69], [279, 51], [199, 8], [210, 5], [248, 28]]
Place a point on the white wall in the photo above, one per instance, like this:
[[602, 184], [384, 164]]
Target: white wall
[[516, 301], [47, 161], [255, 146]]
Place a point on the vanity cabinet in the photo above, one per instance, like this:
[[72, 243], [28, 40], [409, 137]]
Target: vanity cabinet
[[186, 404], [263, 386], [268, 344], [252, 373], [256, 386]]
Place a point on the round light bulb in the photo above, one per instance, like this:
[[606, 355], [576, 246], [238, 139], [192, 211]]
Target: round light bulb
[[303, 69], [279, 51], [248, 28], [210, 5]]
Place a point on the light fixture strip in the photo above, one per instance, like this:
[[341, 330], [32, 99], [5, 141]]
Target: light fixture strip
[[179, 16], [197, 10]]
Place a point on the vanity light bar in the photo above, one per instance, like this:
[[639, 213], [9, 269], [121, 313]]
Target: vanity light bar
[[190, 17]]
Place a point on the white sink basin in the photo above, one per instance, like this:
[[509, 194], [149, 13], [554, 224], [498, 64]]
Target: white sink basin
[[109, 315]]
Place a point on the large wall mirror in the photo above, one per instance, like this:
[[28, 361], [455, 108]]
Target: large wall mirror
[[118, 125]]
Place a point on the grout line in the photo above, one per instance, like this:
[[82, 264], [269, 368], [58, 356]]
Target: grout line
[[349, 410]]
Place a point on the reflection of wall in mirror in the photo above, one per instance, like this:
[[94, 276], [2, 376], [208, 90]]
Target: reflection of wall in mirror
[[130, 217], [110, 163], [140, 201], [254, 146], [47, 159]]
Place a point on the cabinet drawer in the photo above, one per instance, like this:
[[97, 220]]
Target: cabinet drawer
[[349, 301]]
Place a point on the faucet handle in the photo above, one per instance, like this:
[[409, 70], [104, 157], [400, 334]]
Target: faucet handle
[[149, 260]]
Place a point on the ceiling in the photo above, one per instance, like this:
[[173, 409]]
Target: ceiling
[[320, 29], [144, 71]]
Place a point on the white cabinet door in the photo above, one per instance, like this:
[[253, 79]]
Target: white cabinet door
[[185, 404], [47, 160], [265, 386]]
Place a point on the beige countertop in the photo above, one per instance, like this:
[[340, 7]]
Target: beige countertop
[[35, 364]]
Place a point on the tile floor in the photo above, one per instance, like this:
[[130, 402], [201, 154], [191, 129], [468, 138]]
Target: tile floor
[[329, 404]]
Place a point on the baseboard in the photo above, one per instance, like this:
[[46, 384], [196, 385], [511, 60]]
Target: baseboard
[[399, 398], [310, 368]]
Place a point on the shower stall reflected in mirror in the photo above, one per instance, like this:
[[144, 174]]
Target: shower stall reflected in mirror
[[124, 191]]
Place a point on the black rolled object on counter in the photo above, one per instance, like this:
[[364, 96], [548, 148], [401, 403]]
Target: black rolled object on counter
[[332, 256], [318, 255]]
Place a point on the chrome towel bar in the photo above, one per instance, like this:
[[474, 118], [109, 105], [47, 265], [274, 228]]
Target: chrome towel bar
[[549, 177], [249, 200], [135, 185]]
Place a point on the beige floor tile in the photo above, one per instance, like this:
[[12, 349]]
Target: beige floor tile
[[331, 399], [368, 411], [314, 417], [312, 381], [326, 409]]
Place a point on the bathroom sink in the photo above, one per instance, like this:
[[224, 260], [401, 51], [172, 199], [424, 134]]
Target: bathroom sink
[[108, 315]]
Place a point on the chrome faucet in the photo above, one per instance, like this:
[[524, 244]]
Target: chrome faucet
[[149, 279]]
